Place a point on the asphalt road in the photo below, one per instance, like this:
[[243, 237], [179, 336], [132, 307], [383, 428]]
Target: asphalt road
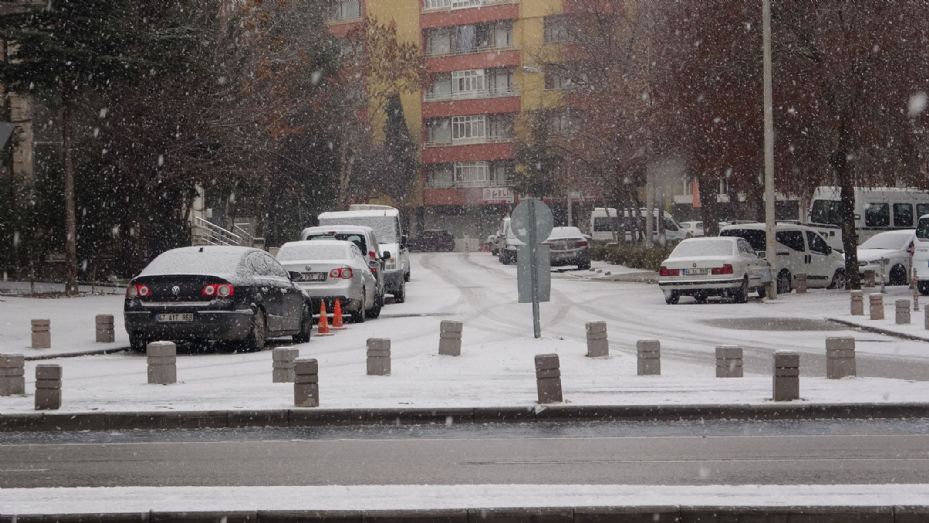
[[808, 452]]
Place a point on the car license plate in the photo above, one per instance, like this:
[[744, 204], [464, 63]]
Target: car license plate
[[175, 317], [314, 276], [694, 272]]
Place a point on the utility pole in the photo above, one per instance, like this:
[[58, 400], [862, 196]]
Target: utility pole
[[770, 243]]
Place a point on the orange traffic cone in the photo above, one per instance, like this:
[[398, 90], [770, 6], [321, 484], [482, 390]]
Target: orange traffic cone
[[337, 315], [323, 327]]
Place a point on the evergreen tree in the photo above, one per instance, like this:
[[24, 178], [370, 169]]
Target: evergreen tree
[[66, 49], [401, 152]]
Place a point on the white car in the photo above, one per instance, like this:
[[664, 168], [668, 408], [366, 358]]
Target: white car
[[333, 269], [719, 266], [896, 248], [692, 229], [800, 250]]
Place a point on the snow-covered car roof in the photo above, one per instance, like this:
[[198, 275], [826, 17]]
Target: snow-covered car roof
[[316, 250], [222, 261], [561, 233], [371, 213]]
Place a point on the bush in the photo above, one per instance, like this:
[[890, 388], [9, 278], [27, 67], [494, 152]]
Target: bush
[[632, 256]]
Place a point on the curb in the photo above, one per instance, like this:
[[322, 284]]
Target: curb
[[878, 330], [822, 514], [310, 417], [97, 352]]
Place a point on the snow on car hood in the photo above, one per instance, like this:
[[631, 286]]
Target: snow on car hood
[[870, 255]]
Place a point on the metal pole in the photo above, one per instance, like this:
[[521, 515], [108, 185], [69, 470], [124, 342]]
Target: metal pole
[[534, 269], [883, 270], [770, 243]]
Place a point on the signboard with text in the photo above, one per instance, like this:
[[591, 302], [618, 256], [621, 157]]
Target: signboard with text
[[498, 195]]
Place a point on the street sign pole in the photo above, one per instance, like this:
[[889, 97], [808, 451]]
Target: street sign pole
[[534, 271]]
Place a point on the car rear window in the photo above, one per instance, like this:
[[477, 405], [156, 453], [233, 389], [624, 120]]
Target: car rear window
[[560, 233], [355, 238], [754, 237], [711, 247], [195, 261], [313, 251]]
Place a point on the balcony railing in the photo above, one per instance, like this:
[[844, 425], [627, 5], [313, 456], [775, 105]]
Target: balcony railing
[[466, 184], [471, 141], [472, 50], [470, 95], [430, 6]]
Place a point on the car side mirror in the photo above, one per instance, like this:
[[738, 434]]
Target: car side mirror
[[294, 275], [828, 250], [386, 255]]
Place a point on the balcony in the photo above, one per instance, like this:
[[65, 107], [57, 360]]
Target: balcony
[[486, 150], [490, 10], [470, 95], [470, 196]]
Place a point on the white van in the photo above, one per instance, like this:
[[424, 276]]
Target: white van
[[877, 209], [602, 224], [921, 255], [800, 250], [386, 224]]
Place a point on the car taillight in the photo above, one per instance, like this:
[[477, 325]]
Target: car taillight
[[372, 255], [581, 244], [725, 269], [343, 272], [138, 290], [217, 290], [664, 271]]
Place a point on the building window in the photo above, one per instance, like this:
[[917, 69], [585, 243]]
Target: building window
[[472, 174], [346, 10], [468, 82], [442, 176], [439, 131], [556, 29], [501, 127], [469, 129], [564, 122], [558, 79], [472, 38], [436, 4]]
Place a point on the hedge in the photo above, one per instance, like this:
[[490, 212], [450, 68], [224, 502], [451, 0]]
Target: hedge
[[634, 256]]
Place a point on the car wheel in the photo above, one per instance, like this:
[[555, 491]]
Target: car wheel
[[406, 277], [740, 295], [898, 275], [306, 326], [672, 298], [923, 288], [701, 298], [137, 343], [400, 294], [784, 282], [258, 333], [584, 265], [361, 314], [838, 280], [375, 311], [762, 291]]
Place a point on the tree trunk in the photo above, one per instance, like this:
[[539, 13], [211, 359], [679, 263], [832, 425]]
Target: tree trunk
[[846, 183], [709, 205], [70, 214], [345, 173]]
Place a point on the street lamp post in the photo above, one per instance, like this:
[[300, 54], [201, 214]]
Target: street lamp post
[[770, 242]]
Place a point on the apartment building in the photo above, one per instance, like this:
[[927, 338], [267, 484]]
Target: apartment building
[[482, 57]]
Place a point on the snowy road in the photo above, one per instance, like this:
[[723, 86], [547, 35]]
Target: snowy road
[[729, 453], [496, 365]]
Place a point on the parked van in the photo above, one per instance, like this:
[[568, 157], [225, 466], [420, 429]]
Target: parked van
[[800, 250], [877, 209], [386, 224], [602, 224], [921, 255]]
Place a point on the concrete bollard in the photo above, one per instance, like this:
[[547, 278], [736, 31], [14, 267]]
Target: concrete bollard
[[869, 278], [728, 361], [378, 357], [548, 378], [450, 338], [857, 303], [649, 357], [876, 304], [47, 387], [598, 346], [306, 383], [786, 376], [282, 361], [840, 357], [12, 374], [41, 334], [800, 283], [104, 326], [162, 362], [902, 309]]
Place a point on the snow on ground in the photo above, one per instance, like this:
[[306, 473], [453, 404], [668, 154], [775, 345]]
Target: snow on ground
[[496, 367], [433, 497]]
